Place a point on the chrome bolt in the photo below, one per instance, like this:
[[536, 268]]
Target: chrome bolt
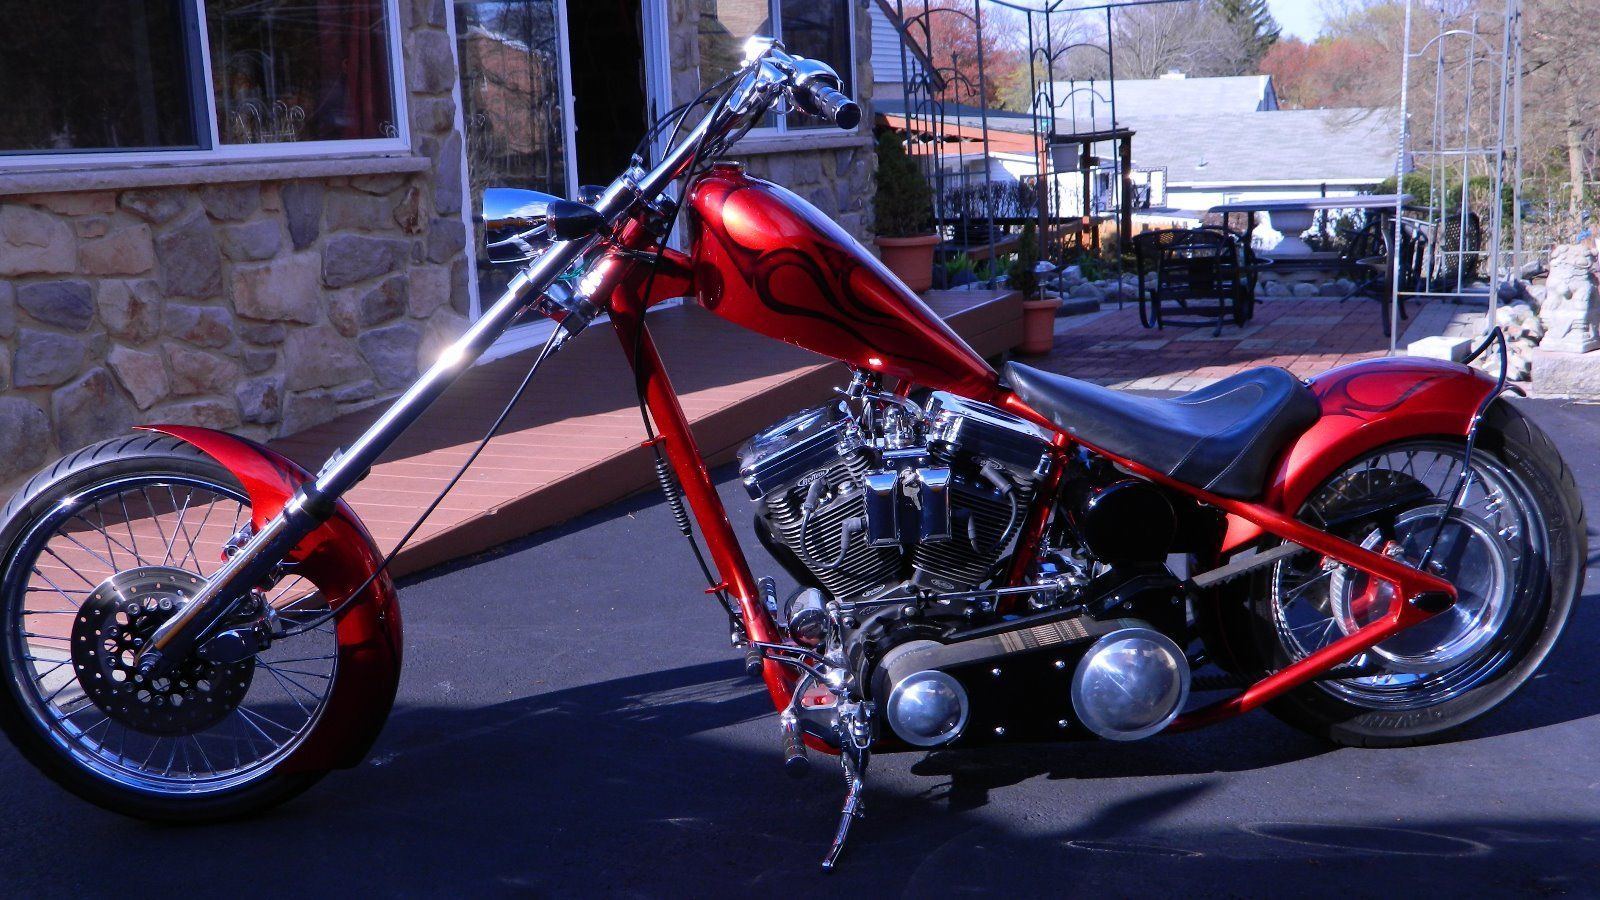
[[995, 672], [999, 731], [1062, 723], [1061, 664]]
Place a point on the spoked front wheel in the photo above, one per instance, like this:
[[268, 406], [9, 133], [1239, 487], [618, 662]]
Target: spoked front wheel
[[99, 551], [1514, 548]]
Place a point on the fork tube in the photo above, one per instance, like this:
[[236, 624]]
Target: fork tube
[[311, 505]]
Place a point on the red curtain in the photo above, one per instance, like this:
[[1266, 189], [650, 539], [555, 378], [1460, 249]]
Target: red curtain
[[355, 65]]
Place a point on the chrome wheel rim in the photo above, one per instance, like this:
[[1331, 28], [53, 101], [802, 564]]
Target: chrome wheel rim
[[175, 523], [1490, 548]]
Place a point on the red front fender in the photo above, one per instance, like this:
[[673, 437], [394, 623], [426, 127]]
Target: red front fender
[[337, 558], [1366, 405]]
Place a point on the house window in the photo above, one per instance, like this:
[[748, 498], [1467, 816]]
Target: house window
[[307, 76], [98, 76], [512, 94], [818, 29], [300, 70]]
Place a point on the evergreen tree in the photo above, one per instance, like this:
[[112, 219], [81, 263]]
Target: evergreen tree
[[1254, 25]]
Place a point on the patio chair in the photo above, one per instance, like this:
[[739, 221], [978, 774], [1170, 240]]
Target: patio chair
[[1191, 266], [1251, 263], [1455, 257], [1381, 272]]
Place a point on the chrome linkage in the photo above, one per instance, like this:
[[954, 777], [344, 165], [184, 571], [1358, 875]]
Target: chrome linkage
[[852, 727], [852, 606], [810, 662], [855, 752]]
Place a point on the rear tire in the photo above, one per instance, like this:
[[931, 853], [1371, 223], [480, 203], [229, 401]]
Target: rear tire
[[81, 763], [1423, 705]]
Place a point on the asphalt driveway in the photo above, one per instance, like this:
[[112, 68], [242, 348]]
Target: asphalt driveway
[[571, 722]]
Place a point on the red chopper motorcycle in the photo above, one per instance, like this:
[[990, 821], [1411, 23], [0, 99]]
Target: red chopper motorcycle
[[196, 628]]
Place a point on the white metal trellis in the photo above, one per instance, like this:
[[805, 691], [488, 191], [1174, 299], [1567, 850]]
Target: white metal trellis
[[1462, 48]]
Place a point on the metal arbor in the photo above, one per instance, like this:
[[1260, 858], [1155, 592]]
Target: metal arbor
[[949, 120], [1475, 75]]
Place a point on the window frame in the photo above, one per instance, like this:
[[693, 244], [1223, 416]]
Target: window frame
[[782, 130], [206, 110]]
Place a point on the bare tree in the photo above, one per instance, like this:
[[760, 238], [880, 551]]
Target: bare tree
[[1151, 40], [1561, 79]]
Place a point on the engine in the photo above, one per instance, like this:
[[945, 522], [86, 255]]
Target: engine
[[898, 520], [900, 497]]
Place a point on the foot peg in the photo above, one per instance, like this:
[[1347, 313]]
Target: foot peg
[[795, 761]]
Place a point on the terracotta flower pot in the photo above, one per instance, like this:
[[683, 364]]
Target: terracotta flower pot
[[1039, 325], [910, 259]]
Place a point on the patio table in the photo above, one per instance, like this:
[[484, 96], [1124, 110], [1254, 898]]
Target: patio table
[[1291, 216]]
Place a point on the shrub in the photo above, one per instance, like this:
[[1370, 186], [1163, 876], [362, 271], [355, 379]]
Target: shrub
[[903, 206], [1023, 276]]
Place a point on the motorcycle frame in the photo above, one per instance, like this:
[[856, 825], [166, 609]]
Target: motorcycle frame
[[626, 277]]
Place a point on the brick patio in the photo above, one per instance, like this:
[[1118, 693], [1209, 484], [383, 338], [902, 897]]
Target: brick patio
[[1304, 335]]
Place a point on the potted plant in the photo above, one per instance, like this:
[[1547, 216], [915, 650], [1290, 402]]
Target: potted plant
[[1038, 311], [904, 215]]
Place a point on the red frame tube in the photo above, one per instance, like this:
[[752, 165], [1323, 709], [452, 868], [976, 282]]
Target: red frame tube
[[1404, 612], [626, 279]]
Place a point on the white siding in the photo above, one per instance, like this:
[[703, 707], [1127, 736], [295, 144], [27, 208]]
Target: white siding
[[886, 48]]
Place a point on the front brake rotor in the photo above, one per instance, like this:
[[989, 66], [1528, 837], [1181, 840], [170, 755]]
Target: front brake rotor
[[110, 629]]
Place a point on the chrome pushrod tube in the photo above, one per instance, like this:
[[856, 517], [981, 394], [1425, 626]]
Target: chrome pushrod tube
[[314, 502]]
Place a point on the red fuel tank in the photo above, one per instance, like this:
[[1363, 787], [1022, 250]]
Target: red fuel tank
[[769, 261]]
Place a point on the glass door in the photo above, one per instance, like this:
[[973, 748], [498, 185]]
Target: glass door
[[553, 94], [516, 111]]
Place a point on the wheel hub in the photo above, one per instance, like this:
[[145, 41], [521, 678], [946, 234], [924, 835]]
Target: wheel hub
[[1468, 556], [110, 629]]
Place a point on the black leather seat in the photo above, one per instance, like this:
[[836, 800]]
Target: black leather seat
[[1221, 438]]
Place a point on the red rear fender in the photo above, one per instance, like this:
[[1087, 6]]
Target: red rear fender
[[1366, 405], [337, 558]]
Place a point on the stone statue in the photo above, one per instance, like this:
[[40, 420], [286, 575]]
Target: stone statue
[[1571, 311]]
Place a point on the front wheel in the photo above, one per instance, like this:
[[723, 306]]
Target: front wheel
[[99, 550], [1514, 548]]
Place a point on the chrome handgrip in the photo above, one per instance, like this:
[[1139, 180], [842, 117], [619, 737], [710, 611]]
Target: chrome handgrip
[[831, 105]]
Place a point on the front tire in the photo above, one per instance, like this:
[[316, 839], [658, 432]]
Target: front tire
[[93, 547], [1516, 549]]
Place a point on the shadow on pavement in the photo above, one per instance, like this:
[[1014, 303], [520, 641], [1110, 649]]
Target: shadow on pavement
[[633, 786]]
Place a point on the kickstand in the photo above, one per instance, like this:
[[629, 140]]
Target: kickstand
[[854, 782]]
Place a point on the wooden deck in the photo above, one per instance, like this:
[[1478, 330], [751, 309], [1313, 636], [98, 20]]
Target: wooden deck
[[574, 442]]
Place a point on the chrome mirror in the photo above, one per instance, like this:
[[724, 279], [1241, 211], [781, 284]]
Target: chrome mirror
[[515, 224]]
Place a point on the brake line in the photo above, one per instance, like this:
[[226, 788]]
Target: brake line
[[1460, 489], [558, 339]]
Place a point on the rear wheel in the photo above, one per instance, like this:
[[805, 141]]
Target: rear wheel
[[99, 550], [1515, 549]]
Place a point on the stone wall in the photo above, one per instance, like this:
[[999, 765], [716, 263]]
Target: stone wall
[[830, 169], [262, 301], [261, 307]]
